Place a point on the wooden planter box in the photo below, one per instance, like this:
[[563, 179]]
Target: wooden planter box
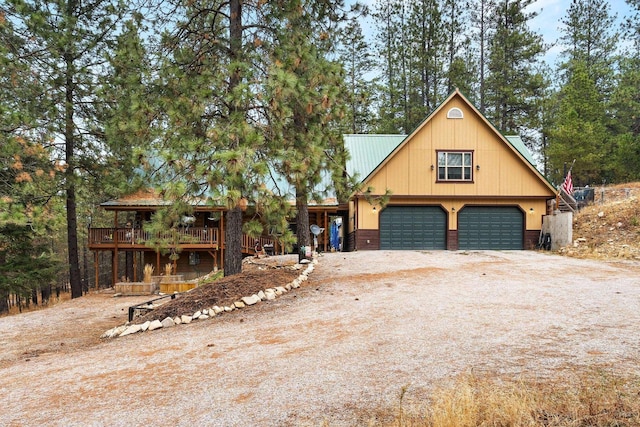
[[169, 288], [135, 288], [169, 279]]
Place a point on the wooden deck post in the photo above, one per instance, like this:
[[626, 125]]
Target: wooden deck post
[[114, 253], [95, 268], [221, 239]]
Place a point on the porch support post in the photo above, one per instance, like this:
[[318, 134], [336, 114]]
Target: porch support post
[[95, 268], [326, 230], [135, 267], [221, 239], [114, 258]]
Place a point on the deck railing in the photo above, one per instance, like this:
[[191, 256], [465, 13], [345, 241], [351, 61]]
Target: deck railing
[[134, 236], [107, 238]]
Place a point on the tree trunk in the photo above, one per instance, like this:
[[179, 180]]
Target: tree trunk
[[302, 220], [69, 135], [45, 293], [4, 302], [72, 241], [233, 230], [233, 242]]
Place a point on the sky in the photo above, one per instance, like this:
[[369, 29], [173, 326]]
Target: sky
[[547, 23]]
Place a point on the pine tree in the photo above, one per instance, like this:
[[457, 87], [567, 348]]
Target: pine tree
[[589, 36], [125, 113], [625, 103], [582, 128], [578, 131], [305, 92], [210, 135], [389, 41], [67, 40], [30, 211], [514, 83], [481, 13], [427, 48], [457, 69], [355, 55]]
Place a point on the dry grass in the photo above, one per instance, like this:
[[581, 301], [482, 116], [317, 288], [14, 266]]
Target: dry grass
[[14, 309], [609, 229], [593, 398]]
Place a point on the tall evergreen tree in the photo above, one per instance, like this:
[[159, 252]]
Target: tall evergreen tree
[[208, 135], [589, 36], [579, 130], [125, 114], [357, 59], [515, 82], [455, 15], [28, 179], [582, 128], [625, 105], [305, 92], [67, 40], [427, 46], [389, 21], [481, 13]]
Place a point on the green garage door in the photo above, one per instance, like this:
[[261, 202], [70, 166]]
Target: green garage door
[[494, 227], [413, 227]]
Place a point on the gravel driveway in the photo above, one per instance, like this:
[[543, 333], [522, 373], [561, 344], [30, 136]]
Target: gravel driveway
[[365, 325]]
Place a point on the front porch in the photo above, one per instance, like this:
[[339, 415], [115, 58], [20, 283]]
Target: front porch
[[195, 245]]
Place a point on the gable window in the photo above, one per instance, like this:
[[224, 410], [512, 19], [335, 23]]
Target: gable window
[[455, 113], [455, 165]]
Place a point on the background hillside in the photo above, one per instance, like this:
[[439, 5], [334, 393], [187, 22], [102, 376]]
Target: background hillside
[[610, 227]]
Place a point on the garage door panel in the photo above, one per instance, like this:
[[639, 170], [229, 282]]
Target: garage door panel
[[493, 227], [413, 227]]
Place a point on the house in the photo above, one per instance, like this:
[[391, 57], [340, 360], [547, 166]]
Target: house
[[455, 183], [195, 246]]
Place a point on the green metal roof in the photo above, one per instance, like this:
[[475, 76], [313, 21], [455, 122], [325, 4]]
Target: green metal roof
[[518, 144], [368, 151]]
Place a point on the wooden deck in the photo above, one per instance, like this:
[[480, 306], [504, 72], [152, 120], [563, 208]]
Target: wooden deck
[[192, 238]]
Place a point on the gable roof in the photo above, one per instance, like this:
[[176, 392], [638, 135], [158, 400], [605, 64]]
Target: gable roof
[[514, 143], [519, 145], [368, 151]]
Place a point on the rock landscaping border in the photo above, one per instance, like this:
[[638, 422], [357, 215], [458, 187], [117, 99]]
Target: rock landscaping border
[[205, 313]]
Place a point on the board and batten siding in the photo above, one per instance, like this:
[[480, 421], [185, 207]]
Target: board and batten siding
[[502, 172]]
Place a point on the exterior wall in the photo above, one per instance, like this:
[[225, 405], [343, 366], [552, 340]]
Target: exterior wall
[[534, 209], [560, 227], [452, 240], [501, 171], [366, 236], [205, 266], [531, 238], [368, 239]]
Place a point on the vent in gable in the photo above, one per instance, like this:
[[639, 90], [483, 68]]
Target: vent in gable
[[455, 113]]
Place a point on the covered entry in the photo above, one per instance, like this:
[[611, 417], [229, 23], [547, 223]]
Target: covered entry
[[413, 227], [490, 227]]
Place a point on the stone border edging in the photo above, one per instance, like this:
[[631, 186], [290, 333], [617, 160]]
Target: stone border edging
[[206, 313]]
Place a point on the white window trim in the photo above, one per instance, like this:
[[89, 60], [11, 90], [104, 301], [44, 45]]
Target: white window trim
[[446, 166], [455, 113]]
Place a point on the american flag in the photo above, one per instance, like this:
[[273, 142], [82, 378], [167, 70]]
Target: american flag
[[567, 185]]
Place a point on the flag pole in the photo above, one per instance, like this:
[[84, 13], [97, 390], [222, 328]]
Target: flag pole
[[560, 189]]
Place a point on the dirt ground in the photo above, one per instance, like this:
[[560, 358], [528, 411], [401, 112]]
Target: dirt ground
[[365, 326]]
